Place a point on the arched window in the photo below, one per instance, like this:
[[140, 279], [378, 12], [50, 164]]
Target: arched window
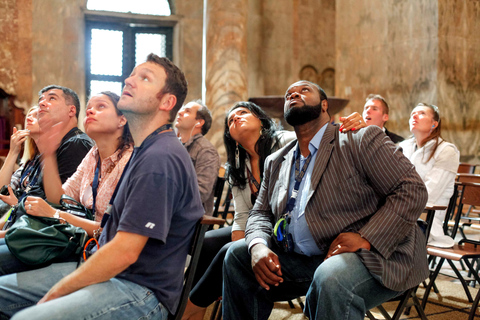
[[121, 38]]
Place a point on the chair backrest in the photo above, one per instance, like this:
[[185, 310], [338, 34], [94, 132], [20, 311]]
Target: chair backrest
[[195, 249], [429, 220], [219, 185], [466, 168], [470, 196], [468, 177]]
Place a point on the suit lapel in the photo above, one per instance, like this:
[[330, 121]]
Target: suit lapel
[[284, 172], [323, 155]]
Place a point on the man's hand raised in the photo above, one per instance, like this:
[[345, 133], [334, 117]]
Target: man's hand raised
[[266, 266]]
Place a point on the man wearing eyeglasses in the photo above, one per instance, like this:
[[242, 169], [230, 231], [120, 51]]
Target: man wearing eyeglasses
[[335, 220]]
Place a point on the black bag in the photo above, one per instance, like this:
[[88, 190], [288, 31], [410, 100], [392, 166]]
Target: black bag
[[70, 205], [38, 240]]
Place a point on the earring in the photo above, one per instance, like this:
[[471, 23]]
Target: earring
[[237, 157]]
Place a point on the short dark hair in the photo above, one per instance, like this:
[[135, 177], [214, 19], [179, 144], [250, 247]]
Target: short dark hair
[[203, 114], [321, 92], [71, 97], [378, 97], [125, 141], [175, 84]]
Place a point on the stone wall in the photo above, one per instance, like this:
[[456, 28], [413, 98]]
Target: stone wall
[[459, 75], [16, 50], [294, 34], [389, 48], [190, 31], [59, 47], [413, 51]]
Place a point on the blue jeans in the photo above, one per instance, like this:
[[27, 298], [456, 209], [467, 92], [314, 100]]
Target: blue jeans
[[113, 299], [338, 288], [10, 264], [208, 282]]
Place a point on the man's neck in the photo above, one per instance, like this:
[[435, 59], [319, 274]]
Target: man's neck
[[66, 127], [186, 135], [306, 132], [142, 127]]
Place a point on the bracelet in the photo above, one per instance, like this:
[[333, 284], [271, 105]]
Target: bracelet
[[56, 215]]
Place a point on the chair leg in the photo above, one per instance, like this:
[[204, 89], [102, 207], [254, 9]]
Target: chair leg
[[402, 304], [462, 280], [217, 310], [300, 303], [433, 276], [290, 303], [384, 312], [474, 306], [418, 307], [370, 315]]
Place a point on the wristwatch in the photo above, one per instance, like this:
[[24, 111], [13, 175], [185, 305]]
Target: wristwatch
[[56, 215]]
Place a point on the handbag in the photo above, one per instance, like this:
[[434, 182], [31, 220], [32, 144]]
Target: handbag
[[70, 205], [38, 240], [67, 204]]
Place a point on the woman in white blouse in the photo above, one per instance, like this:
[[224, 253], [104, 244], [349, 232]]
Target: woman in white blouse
[[436, 161]]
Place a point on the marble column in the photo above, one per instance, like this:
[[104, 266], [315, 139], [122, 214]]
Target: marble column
[[226, 60]]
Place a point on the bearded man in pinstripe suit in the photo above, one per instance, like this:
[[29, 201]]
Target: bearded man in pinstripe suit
[[335, 220]]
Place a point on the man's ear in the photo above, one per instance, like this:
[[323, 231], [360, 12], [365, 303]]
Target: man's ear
[[324, 105], [385, 117], [200, 123], [72, 111], [168, 102]]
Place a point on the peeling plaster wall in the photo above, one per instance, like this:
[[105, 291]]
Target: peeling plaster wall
[[16, 50]]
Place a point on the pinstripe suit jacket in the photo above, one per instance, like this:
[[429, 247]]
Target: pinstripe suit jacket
[[361, 182]]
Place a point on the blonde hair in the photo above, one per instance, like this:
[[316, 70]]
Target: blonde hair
[[30, 149]]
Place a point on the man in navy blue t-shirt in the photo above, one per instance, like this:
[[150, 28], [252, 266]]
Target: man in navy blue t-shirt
[[138, 270]]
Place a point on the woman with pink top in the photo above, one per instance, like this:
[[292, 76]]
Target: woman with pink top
[[107, 126]]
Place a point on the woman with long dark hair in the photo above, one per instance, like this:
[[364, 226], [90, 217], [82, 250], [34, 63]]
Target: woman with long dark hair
[[107, 126], [436, 161]]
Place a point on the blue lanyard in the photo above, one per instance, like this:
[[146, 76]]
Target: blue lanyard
[[96, 179], [30, 172], [298, 179], [280, 229], [165, 127]]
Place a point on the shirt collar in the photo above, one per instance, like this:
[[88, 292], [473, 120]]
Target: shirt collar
[[315, 142], [190, 141]]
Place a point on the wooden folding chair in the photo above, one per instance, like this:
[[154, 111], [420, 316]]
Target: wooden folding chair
[[465, 251], [195, 249], [466, 168], [409, 297], [217, 194]]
